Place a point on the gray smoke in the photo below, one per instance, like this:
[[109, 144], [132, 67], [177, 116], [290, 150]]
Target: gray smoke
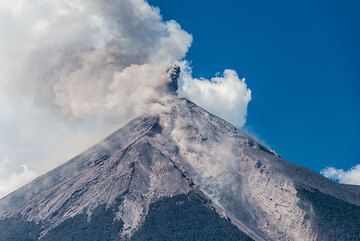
[[71, 72]]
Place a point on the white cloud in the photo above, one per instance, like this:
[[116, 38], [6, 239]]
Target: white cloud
[[351, 176], [71, 72], [15, 180], [226, 96]]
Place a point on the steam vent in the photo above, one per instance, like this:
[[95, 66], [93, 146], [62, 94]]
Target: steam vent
[[174, 73]]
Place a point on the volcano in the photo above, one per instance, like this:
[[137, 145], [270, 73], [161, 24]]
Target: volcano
[[178, 172]]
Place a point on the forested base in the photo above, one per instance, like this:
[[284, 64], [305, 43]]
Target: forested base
[[102, 227], [183, 217], [16, 229], [188, 218], [336, 220]]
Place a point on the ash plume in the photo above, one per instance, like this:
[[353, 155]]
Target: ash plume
[[72, 72]]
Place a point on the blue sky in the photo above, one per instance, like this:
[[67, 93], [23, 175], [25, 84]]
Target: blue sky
[[301, 59]]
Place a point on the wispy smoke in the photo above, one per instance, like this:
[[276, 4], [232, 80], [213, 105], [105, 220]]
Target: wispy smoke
[[351, 176], [72, 72]]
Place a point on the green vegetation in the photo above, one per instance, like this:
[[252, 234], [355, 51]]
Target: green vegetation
[[183, 217], [336, 220], [186, 217], [12, 229], [102, 227]]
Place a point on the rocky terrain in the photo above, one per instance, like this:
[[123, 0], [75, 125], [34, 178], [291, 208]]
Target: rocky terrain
[[180, 173]]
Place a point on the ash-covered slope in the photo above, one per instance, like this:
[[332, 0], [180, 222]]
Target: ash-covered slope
[[180, 173]]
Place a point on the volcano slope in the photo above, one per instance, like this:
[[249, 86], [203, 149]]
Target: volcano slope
[[180, 173]]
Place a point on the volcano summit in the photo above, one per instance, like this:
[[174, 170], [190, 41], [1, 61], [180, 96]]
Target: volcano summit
[[180, 173]]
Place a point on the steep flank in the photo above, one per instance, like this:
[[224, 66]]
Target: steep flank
[[180, 173], [79, 164]]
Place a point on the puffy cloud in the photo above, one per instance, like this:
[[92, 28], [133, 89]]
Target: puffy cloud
[[351, 176], [226, 96], [73, 71]]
